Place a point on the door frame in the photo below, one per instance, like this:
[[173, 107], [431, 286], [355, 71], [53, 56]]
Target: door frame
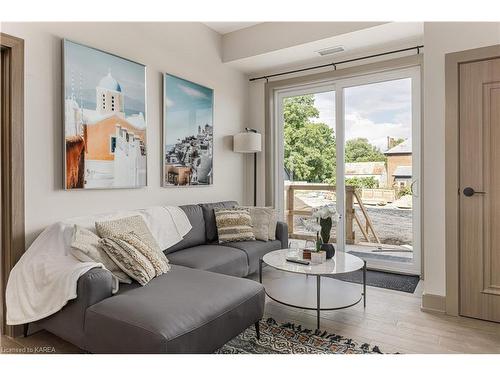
[[452, 167], [12, 160], [338, 85]]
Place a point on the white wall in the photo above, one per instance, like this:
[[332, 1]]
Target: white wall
[[441, 38], [189, 50], [256, 120]]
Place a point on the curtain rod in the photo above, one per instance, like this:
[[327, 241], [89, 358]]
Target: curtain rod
[[334, 64]]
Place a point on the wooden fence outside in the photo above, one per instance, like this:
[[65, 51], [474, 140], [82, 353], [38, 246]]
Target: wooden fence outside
[[352, 218]]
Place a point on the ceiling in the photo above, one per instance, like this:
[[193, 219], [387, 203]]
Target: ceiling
[[228, 27], [394, 35]]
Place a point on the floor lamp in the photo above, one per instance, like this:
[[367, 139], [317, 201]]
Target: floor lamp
[[249, 142]]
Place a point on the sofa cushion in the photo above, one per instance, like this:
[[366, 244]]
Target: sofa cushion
[[209, 217], [255, 250], [215, 258], [183, 311], [196, 236]]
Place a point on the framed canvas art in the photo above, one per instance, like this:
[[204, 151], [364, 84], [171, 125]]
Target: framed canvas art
[[104, 119], [187, 133]]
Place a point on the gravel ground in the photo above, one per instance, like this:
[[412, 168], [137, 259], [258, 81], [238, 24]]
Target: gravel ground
[[392, 225]]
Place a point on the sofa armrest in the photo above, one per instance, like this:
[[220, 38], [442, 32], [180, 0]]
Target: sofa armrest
[[94, 286], [282, 234], [68, 323]]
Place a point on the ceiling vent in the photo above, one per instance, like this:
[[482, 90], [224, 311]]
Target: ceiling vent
[[331, 50]]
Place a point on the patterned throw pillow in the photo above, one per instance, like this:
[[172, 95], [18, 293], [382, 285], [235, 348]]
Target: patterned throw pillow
[[234, 224], [135, 257], [86, 248], [130, 244]]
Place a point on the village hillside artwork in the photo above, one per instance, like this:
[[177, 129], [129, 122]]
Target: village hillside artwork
[[104, 120], [188, 133]]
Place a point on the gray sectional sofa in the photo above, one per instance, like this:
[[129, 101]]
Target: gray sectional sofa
[[199, 305]]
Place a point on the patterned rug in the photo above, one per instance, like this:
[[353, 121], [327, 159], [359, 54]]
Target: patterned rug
[[290, 339]]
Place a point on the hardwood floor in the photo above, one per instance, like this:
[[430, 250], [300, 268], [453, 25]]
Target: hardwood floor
[[392, 320]]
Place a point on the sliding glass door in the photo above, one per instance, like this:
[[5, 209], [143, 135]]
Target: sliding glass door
[[380, 125], [354, 143], [307, 149]]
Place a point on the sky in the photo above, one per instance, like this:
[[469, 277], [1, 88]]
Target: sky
[[187, 105], [87, 66], [373, 111]]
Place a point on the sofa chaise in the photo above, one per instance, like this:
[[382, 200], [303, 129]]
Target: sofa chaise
[[199, 305]]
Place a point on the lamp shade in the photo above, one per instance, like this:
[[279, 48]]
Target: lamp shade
[[247, 142]]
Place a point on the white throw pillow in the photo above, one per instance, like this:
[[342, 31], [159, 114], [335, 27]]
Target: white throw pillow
[[264, 221], [86, 248]]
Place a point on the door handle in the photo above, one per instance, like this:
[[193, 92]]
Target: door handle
[[413, 190], [469, 192]]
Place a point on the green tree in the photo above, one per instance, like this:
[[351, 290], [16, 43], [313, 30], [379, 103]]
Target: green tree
[[359, 150], [396, 141], [309, 146], [362, 182]]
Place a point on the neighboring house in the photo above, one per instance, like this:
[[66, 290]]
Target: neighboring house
[[402, 176], [398, 156], [374, 169]]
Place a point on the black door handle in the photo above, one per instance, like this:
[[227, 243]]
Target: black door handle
[[469, 192]]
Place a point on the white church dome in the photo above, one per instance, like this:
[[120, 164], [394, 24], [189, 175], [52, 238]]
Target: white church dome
[[109, 83]]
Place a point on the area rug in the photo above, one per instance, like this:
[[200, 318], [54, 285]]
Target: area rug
[[288, 338], [379, 279]]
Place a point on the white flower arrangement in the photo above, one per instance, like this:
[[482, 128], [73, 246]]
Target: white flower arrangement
[[311, 225], [324, 212]]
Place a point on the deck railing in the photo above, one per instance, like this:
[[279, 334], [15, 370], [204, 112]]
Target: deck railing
[[352, 218]]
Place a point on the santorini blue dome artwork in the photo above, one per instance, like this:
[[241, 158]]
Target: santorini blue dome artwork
[[109, 83]]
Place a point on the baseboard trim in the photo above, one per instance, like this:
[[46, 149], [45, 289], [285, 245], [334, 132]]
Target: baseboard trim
[[433, 303]]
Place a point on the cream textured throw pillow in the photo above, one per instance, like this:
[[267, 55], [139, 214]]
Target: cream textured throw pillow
[[135, 257], [131, 224], [233, 224], [133, 248], [264, 222], [86, 248]]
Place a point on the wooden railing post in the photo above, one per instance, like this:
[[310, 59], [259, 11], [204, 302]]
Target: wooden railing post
[[349, 210], [291, 208], [369, 224]]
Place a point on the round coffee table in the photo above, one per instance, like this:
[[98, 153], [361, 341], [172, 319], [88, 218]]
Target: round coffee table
[[314, 293]]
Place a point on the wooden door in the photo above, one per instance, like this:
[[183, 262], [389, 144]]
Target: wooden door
[[480, 189]]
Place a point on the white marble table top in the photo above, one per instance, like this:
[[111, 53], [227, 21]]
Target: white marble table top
[[341, 263]]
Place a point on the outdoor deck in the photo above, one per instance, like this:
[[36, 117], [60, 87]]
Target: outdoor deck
[[379, 230]]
